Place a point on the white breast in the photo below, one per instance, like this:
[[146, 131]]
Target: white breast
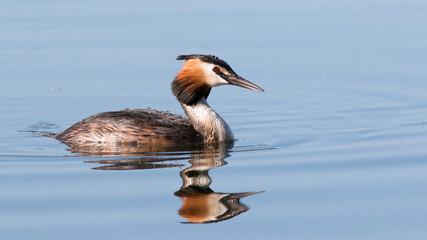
[[206, 121]]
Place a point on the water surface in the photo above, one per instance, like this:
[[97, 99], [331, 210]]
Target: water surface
[[334, 149]]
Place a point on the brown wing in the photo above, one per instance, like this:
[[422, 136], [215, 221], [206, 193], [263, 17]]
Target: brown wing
[[139, 126]]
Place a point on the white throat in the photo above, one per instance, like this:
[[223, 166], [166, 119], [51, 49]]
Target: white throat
[[207, 122]]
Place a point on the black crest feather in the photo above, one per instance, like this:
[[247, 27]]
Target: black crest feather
[[207, 58]]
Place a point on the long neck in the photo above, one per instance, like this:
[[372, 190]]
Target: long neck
[[207, 122]]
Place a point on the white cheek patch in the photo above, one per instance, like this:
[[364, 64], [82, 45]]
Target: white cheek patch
[[211, 77]]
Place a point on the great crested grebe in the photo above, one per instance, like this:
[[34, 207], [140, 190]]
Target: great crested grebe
[[191, 87]]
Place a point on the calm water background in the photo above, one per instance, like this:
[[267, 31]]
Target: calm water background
[[345, 111]]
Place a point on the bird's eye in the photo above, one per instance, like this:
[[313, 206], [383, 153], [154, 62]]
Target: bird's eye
[[215, 69]]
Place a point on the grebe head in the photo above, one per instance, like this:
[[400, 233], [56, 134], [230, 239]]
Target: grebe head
[[202, 72]]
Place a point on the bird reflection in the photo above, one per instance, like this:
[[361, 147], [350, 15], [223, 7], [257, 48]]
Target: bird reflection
[[200, 204]]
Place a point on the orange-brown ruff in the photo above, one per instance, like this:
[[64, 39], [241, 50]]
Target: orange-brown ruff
[[191, 86], [188, 78]]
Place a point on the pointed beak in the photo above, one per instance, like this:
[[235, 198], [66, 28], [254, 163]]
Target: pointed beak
[[236, 80]]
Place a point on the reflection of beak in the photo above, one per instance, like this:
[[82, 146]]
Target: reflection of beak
[[237, 80]]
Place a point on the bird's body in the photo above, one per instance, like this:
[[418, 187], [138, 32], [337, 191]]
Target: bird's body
[[132, 126], [191, 86]]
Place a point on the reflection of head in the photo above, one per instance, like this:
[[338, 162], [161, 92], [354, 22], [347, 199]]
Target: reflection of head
[[206, 206]]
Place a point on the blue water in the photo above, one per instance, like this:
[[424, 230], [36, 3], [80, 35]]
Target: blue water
[[337, 143]]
